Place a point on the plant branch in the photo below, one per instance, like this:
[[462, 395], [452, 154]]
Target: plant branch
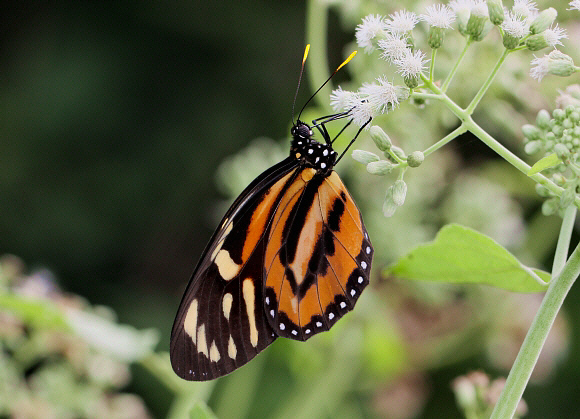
[[471, 107], [564, 240], [451, 74], [451, 136], [530, 350]]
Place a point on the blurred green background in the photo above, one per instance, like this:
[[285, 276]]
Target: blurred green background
[[114, 119]]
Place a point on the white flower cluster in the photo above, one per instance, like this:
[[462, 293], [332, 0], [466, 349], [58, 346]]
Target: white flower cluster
[[371, 100]]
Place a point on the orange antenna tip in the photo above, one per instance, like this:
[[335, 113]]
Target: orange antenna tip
[[345, 62], [305, 53]]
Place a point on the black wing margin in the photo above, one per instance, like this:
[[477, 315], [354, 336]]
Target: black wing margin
[[220, 324]]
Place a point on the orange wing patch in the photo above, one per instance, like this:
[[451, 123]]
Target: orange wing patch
[[317, 259]]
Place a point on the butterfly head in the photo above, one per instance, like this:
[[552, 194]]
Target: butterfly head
[[309, 151]]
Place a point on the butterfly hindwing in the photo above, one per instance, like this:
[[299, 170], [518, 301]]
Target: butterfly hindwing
[[318, 257], [220, 324]]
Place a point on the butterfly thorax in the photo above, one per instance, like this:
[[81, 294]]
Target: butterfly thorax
[[310, 152]]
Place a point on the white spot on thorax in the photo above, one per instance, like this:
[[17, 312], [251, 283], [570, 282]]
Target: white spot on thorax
[[322, 165]]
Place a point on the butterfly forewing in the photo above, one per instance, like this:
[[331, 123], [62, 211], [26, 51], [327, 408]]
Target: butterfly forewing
[[220, 324]]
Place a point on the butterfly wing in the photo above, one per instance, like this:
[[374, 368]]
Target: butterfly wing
[[220, 324], [318, 257]]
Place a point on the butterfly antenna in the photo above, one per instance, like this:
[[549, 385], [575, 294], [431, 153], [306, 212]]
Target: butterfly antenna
[[345, 62], [300, 79]]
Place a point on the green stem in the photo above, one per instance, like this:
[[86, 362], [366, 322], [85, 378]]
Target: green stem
[[530, 350], [470, 108], [450, 76], [421, 95], [316, 34], [564, 239], [432, 63], [513, 159], [452, 135]]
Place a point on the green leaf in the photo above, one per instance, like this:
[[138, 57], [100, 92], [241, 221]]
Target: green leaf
[[200, 411], [462, 255], [545, 163]]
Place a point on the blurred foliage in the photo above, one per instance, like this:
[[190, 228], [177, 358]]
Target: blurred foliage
[[115, 117]]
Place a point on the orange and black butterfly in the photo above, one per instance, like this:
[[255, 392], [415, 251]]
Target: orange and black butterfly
[[290, 257]]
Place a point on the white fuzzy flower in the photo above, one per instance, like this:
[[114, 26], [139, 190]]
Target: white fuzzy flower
[[382, 95], [362, 113], [555, 62], [343, 100], [371, 26], [574, 5], [461, 6], [540, 67], [524, 8], [439, 15], [402, 22], [393, 47], [515, 25], [411, 64], [553, 35], [480, 9]]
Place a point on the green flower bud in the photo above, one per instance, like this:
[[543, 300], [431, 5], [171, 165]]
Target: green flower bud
[[536, 42], [568, 196], [533, 147], [389, 206], [559, 114], [543, 119], [567, 124], [436, 36], [476, 24], [399, 192], [569, 109], [562, 151], [380, 137], [415, 159], [542, 190], [510, 41], [381, 167], [462, 19], [558, 131], [550, 206], [575, 117], [487, 27], [543, 21], [364, 157], [411, 81], [496, 13], [531, 132]]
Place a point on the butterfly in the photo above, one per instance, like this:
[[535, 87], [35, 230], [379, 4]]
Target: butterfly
[[291, 256]]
